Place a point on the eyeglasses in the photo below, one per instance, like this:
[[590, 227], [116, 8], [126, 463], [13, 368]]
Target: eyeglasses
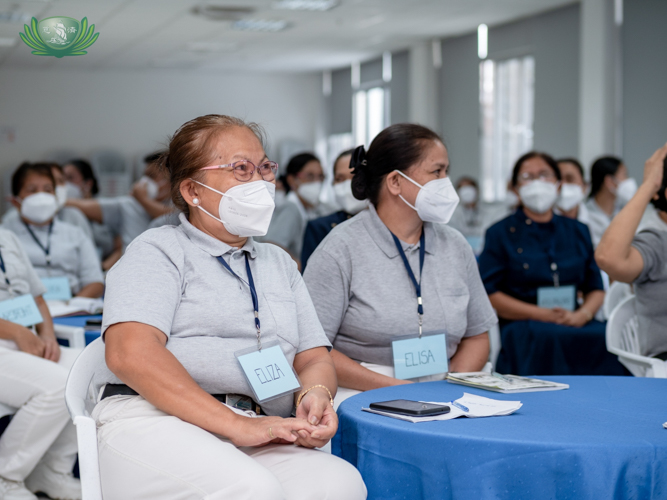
[[542, 176], [243, 170]]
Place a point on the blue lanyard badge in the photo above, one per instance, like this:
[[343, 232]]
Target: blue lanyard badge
[[46, 249], [425, 354], [558, 296], [4, 270], [57, 288], [265, 367], [22, 310]]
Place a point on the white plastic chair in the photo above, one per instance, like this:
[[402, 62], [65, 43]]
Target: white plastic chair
[[494, 346], [80, 402], [616, 293], [622, 340]]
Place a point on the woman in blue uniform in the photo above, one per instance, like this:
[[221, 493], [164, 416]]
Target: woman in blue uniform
[[540, 273], [317, 229]]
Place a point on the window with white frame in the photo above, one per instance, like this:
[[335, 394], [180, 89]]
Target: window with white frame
[[506, 96], [370, 113]]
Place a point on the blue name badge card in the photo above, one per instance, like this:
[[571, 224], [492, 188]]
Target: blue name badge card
[[22, 310], [563, 296], [268, 372], [57, 288], [419, 357]]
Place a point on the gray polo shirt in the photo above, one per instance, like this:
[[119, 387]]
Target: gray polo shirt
[[72, 253], [125, 216], [651, 290], [22, 277], [169, 278], [365, 299]]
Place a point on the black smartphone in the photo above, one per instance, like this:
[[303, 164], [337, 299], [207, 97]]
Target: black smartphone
[[412, 408]]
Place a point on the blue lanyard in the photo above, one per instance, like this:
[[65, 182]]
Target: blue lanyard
[[46, 249], [417, 284], [4, 271], [253, 293]]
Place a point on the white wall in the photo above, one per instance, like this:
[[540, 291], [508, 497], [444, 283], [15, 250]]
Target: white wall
[[135, 112]]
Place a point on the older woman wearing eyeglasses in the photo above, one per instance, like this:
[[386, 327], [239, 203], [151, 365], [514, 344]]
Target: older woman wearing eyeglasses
[[206, 332], [540, 273]]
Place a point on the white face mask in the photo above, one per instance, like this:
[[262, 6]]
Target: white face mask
[[61, 196], [310, 191], [245, 209], [626, 190], [468, 195], [152, 189], [539, 196], [73, 191], [570, 196], [39, 207], [345, 198], [436, 201], [279, 198]]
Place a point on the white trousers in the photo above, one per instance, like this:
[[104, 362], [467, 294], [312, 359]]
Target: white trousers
[[148, 454], [41, 429], [343, 392]]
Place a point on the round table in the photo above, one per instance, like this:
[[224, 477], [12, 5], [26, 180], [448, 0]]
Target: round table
[[601, 439]]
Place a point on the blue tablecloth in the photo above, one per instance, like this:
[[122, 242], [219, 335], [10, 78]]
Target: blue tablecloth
[[81, 321], [537, 348], [601, 439]]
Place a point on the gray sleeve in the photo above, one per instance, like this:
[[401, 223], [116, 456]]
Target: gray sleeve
[[144, 286], [311, 334], [112, 213], [90, 268], [329, 288], [652, 246], [480, 315], [285, 227], [37, 288]]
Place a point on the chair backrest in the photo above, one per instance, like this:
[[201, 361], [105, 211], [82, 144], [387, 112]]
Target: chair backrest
[[80, 400], [616, 293], [622, 337]]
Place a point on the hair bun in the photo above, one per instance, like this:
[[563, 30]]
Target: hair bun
[[359, 167]]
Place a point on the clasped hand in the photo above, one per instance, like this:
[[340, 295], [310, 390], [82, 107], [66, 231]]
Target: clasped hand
[[315, 424]]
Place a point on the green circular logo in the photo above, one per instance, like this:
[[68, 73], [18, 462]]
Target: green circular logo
[[59, 36], [58, 32]]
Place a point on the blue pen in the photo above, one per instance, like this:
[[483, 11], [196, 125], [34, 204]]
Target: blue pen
[[460, 406]]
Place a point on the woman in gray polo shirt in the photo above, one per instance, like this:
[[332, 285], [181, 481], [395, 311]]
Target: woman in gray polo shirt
[[641, 258], [203, 327], [365, 278]]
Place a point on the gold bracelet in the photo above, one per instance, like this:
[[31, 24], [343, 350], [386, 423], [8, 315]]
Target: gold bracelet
[[298, 401]]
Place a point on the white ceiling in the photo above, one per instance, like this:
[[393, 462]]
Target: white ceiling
[[143, 34]]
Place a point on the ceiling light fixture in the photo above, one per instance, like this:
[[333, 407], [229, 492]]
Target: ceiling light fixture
[[318, 5], [221, 12], [15, 17], [264, 25]]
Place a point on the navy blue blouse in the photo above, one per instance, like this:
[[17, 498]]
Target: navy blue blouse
[[316, 231], [519, 253]]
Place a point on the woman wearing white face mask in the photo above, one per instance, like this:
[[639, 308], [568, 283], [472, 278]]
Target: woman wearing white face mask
[[303, 183], [611, 189], [535, 265], [70, 215], [317, 229], [397, 270], [56, 249], [212, 311]]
